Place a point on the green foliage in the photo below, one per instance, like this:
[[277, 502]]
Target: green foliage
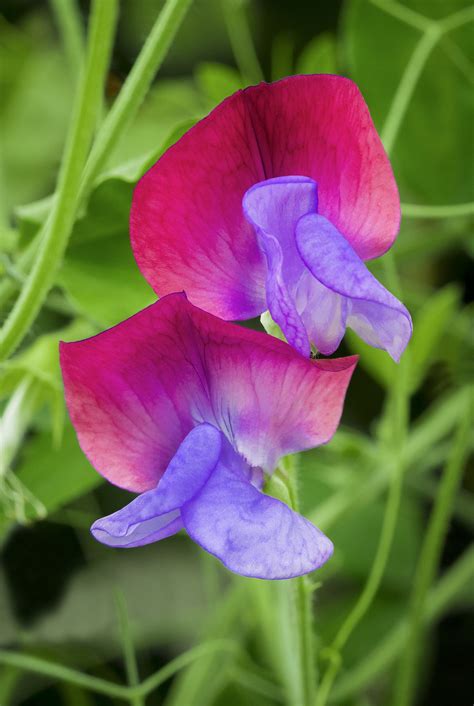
[[443, 93], [55, 474], [35, 108], [319, 56], [175, 594]]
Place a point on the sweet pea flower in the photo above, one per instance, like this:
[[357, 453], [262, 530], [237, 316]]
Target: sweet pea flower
[[274, 201], [191, 412]]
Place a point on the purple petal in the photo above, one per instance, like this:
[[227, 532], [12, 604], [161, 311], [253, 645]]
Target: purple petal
[[155, 514], [323, 312], [274, 207], [375, 314], [251, 533]]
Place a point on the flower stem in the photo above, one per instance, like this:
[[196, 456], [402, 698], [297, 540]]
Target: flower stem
[[69, 23], [129, 656], [135, 88], [241, 40], [398, 412], [405, 682], [59, 226], [407, 85], [123, 111], [438, 601], [412, 210], [302, 596]]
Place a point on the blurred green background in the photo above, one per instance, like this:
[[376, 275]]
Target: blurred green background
[[64, 597]]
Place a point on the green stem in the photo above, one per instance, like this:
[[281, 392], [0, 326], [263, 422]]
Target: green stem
[[54, 242], [134, 89], [303, 601], [405, 682], [407, 85], [457, 19], [412, 210], [241, 40], [69, 22], [403, 13], [58, 672], [182, 661], [398, 410], [439, 600], [121, 114], [130, 660]]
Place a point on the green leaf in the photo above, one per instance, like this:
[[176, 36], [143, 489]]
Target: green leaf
[[40, 361], [56, 475], [319, 56], [169, 104], [99, 272], [430, 326], [379, 47], [217, 81], [34, 110]]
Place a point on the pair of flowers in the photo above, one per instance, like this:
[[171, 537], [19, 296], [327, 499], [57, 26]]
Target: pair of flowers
[[271, 202]]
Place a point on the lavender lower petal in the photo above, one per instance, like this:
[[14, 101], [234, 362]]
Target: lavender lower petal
[[155, 514], [252, 533], [377, 316]]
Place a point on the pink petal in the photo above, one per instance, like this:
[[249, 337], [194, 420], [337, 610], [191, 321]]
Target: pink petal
[[186, 222], [135, 391], [187, 225], [320, 127]]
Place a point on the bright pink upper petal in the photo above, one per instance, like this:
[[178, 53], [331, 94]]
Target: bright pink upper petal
[[187, 225], [320, 127], [135, 391]]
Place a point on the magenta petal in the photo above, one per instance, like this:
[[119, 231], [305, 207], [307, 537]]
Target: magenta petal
[[251, 533], [375, 314], [135, 391], [156, 513], [187, 226], [319, 126]]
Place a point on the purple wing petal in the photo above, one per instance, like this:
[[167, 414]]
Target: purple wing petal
[[323, 312], [251, 533], [280, 302], [156, 514], [274, 207], [375, 314]]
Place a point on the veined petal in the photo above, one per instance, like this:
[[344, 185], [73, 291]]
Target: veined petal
[[156, 514], [323, 313], [135, 391], [280, 301], [209, 489], [319, 126], [187, 225], [274, 207], [375, 314], [252, 533]]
